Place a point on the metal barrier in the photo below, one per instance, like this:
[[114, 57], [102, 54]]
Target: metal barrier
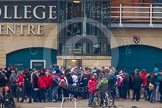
[[72, 99], [147, 13]]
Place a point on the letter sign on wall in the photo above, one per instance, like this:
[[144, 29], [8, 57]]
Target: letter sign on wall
[[35, 11]]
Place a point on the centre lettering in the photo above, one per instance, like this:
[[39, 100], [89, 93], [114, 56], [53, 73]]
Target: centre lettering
[[36, 30]]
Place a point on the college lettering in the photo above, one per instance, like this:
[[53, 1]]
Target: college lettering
[[39, 12]]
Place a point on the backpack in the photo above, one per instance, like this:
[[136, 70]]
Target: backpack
[[7, 99], [119, 81], [151, 86], [158, 78]]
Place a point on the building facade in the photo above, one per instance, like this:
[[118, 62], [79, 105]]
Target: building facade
[[136, 28], [40, 33]]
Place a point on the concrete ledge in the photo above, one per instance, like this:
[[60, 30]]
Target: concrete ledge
[[85, 57]]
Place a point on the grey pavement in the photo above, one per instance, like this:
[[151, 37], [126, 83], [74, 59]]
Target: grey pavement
[[83, 104]]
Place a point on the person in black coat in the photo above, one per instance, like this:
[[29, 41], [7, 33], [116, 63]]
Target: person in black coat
[[27, 87], [35, 86], [69, 78], [83, 83], [137, 81]]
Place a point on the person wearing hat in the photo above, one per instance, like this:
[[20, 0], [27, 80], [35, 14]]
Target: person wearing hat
[[92, 83]]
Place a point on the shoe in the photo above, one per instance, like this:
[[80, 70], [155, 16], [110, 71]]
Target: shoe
[[132, 100], [55, 101], [90, 105], [22, 101], [29, 102], [35, 101]]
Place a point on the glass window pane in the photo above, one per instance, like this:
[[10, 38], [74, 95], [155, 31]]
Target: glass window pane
[[96, 49], [68, 48], [77, 48], [103, 48], [77, 8]]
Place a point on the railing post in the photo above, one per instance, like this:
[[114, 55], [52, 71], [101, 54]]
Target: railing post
[[120, 24], [151, 14]]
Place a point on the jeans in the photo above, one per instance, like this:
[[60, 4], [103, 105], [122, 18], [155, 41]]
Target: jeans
[[13, 90], [145, 94], [27, 92], [157, 93], [152, 95], [121, 92], [125, 92], [35, 94], [91, 98], [55, 92], [19, 92], [136, 94], [49, 96], [42, 94]]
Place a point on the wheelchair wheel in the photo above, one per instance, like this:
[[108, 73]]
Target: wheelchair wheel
[[97, 100], [108, 100]]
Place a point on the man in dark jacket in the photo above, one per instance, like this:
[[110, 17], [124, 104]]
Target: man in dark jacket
[[35, 86], [152, 89], [83, 83], [27, 87], [137, 81]]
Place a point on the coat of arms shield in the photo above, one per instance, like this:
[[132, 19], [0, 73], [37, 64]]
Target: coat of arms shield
[[136, 39]]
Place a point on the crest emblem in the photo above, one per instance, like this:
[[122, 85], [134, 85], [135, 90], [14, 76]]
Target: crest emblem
[[136, 39]]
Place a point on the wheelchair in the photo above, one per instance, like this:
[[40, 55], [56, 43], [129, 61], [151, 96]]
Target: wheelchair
[[107, 98]]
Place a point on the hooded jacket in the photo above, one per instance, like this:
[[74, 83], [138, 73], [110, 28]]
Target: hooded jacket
[[42, 82], [143, 76], [92, 83], [20, 80]]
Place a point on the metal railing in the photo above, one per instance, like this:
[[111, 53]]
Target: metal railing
[[143, 13]]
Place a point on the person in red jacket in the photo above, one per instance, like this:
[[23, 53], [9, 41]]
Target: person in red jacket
[[20, 85], [92, 83], [42, 84], [144, 82]]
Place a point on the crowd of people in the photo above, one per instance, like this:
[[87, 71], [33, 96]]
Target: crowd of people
[[37, 85]]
